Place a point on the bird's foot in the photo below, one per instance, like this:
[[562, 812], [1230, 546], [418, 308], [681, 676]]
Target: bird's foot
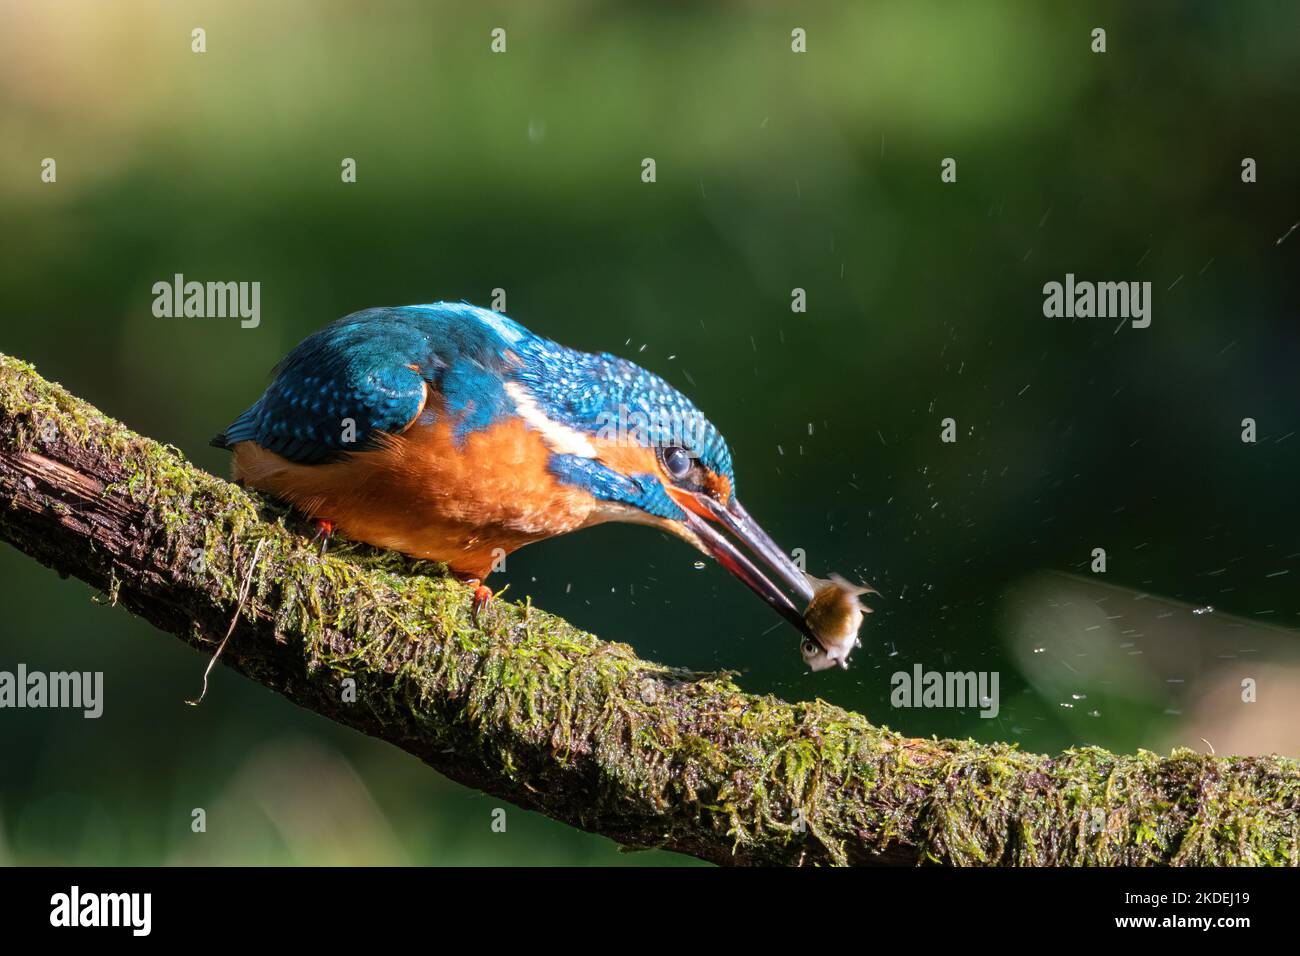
[[482, 598], [324, 531]]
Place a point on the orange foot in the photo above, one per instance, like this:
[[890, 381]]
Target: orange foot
[[324, 531], [482, 598]]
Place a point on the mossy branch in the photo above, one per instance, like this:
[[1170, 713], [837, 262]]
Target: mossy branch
[[530, 709]]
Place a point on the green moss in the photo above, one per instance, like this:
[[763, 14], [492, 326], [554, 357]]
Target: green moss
[[531, 708]]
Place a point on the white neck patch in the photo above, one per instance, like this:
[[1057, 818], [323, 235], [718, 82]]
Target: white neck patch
[[561, 439]]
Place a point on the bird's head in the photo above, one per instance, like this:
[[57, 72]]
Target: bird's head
[[647, 455]]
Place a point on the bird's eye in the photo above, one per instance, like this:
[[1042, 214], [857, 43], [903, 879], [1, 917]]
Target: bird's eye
[[677, 462]]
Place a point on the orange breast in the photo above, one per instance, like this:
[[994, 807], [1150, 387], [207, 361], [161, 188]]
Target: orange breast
[[424, 495]]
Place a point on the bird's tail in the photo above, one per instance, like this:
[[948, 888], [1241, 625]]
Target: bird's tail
[[243, 428]]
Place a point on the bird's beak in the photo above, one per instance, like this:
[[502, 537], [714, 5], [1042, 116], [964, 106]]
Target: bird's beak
[[702, 510]]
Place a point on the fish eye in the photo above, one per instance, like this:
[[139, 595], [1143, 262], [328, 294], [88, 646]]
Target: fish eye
[[677, 462]]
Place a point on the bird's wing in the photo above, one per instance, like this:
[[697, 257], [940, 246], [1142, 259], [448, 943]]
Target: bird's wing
[[373, 373]]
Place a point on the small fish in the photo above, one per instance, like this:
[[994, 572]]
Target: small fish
[[834, 616]]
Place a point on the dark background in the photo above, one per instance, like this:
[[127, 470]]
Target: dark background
[[775, 170]]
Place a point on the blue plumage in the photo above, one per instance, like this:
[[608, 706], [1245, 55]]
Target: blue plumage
[[640, 491], [507, 438], [371, 369], [592, 392], [353, 379]]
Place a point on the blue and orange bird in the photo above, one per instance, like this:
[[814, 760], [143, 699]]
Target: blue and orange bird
[[452, 433]]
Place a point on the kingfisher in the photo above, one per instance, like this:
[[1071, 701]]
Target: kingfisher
[[452, 433]]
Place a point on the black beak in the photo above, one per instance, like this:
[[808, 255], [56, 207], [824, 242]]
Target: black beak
[[736, 520]]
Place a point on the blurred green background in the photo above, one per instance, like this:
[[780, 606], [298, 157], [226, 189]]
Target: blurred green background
[[775, 170]]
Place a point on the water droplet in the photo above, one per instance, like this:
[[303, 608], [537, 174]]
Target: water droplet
[[699, 565]]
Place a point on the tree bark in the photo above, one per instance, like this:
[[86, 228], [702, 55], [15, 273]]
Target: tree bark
[[526, 707]]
